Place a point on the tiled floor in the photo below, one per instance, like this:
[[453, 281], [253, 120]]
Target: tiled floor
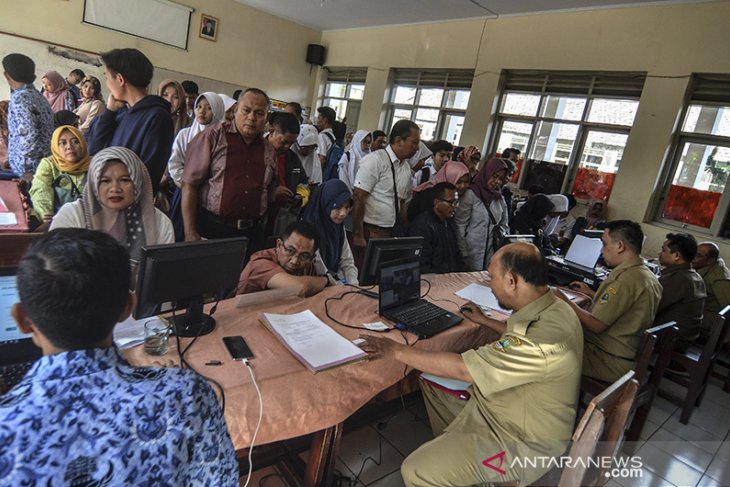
[[672, 454]]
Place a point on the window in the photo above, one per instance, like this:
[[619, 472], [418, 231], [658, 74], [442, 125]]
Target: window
[[571, 127], [343, 92], [436, 100], [695, 192]]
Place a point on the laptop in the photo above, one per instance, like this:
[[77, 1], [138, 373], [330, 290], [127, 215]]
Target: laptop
[[17, 350], [400, 300], [580, 261]]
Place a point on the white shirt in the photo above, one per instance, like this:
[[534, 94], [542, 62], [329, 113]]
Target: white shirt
[[376, 178], [324, 142]]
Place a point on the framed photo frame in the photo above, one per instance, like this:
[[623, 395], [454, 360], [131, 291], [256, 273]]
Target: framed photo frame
[[208, 27]]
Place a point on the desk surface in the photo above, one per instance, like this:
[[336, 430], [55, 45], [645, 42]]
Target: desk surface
[[296, 401]]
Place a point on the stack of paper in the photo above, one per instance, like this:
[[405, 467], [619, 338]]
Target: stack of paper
[[129, 333], [310, 340], [482, 296]]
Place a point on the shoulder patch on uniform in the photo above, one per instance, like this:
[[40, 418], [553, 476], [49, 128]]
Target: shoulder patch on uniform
[[606, 296], [505, 343]]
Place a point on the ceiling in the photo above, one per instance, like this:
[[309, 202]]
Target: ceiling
[[351, 14]]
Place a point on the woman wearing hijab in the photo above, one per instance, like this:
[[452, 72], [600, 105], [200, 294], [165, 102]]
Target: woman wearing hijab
[[530, 217], [92, 104], [350, 161], [328, 207], [306, 150], [481, 217], [560, 208], [173, 92], [452, 172], [60, 178], [229, 106], [118, 200], [209, 111], [419, 158], [595, 218], [55, 90]]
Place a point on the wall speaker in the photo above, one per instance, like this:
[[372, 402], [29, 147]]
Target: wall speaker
[[315, 54]]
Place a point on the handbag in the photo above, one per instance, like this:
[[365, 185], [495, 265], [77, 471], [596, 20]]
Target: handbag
[[497, 235], [64, 191]]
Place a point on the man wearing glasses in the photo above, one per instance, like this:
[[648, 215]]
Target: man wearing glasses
[[288, 264], [440, 253]]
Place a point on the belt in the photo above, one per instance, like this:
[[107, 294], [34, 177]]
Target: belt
[[238, 224], [376, 226]]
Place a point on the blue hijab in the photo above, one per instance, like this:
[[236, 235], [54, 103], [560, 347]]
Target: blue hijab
[[325, 198]]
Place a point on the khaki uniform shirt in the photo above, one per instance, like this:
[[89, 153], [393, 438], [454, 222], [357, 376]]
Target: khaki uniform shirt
[[626, 302], [523, 400], [683, 298], [717, 297]]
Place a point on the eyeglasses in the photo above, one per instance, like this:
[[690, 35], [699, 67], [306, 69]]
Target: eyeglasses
[[292, 252], [454, 202]]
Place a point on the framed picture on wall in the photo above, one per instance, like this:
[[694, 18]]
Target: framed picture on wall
[[208, 27]]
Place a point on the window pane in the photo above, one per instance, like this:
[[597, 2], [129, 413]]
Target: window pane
[[599, 164], [520, 104], [554, 142], [457, 99], [431, 97], [453, 125], [401, 114], [428, 129], [339, 106], [705, 119], [337, 90], [427, 115], [615, 112], [356, 92], [563, 107], [405, 95], [515, 135], [698, 183]]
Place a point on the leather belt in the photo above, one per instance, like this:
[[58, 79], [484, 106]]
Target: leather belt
[[238, 224]]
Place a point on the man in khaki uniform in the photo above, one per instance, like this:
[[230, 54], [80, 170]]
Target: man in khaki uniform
[[711, 268], [623, 307], [683, 291], [524, 385]]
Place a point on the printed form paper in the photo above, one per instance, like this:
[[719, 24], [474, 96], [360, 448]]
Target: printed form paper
[[483, 296]]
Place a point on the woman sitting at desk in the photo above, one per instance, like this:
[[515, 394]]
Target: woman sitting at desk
[[117, 200], [328, 206]]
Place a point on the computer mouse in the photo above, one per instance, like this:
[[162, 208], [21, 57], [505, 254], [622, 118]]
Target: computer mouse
[[465, 308], [574, 286]]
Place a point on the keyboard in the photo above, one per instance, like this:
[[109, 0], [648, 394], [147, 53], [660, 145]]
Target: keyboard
[[14, 373], [419, 312]]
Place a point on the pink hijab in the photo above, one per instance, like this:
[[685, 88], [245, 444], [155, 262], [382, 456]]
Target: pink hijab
[[451, 172], [57, 97]]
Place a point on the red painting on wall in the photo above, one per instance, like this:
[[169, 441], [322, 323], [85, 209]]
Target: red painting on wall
[[592, 184], [691, 206]]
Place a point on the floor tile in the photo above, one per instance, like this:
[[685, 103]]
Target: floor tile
[[366, 443], [667, 467], [707, 481], [716, 395], [707, 440], [719, 469], [647, 479], [691, 454], [393, 480], [405, 433], [661, 410], [710, 417], [650, 427]]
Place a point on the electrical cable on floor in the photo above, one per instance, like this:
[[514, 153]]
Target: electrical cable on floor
[[258, 424]]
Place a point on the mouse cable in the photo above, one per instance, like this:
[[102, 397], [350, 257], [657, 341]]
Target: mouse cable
[[258, 423], [427, 290]]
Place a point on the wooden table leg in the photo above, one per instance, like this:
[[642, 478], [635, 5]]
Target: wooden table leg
[[322, 456]]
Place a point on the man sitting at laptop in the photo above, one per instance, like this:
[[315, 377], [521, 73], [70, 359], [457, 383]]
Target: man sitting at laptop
[[623, 307], [82, 415], [524, 390], [288, 264]]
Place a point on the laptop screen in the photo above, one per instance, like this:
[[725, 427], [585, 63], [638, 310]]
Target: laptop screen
[[400, 283], [8, 297], [584, 251]]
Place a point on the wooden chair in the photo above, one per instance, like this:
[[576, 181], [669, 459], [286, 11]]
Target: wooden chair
[[599, 432], [723, 286], [697, 361], [14, 246]]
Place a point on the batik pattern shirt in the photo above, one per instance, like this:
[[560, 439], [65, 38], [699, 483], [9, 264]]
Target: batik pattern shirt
[[30, 127], [87, 417]]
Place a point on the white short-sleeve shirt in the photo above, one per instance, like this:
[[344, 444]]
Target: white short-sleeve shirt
[[324, 141], [376, 178]]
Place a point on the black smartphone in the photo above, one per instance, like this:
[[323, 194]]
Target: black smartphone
[[237, 347]]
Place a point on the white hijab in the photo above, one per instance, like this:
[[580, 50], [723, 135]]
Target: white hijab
[[423, 152], [219, 115], [348, 167], [228, 102], [561, 204], [312, 166]]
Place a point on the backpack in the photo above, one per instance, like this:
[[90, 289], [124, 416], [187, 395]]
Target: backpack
[[332, 161], [64, 191]]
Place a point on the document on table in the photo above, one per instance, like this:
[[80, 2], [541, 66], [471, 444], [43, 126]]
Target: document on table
[[483, 296], [129, 333], [311, 341], [7, 218]]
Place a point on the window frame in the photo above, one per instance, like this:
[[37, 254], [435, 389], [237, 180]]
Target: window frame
[[348, 77]]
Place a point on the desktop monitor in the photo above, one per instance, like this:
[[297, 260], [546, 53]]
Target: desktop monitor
[[381, 250], [519, 238], [185, 276], [592, 233]]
